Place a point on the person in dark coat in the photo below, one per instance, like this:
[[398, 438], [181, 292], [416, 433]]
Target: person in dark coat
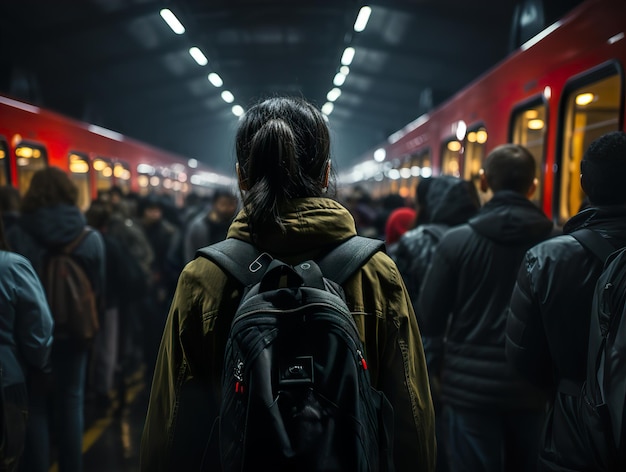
[[51, 220], [492, 416], [548, 322], [25, 344], [442, 202]]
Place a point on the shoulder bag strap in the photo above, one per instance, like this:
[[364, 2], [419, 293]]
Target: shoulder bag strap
[[594, 242]]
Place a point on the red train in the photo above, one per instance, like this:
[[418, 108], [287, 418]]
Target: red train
[[32, 138], [555, 94]]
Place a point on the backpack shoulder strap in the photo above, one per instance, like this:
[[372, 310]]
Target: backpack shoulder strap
[[594, 242], [341, 262], [71, 247], [239, 258]]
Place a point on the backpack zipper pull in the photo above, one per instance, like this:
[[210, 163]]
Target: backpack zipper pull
[[238, 374], [362, 359]]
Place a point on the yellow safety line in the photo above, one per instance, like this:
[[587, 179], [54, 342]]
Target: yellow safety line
[[93, 433]]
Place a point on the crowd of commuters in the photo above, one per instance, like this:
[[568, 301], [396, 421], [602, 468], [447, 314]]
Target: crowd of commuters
[[475, 322]]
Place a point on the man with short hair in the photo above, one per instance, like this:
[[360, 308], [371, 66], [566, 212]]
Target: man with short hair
[[492, 417], [548, 322]]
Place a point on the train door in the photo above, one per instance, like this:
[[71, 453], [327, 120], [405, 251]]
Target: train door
[[591, 106], [529, 128], [451, 158], [474, 156], [103, 170], [121, 172], [5, 175], [79, 169], [30, 157]]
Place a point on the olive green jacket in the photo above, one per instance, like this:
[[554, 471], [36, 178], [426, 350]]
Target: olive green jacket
[[185, 395]]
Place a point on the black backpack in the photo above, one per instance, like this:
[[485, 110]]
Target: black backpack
[[296, 392], [602, 401]]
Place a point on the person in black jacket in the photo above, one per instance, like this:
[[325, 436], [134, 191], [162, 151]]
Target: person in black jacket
[[492, 416], [548, 322]]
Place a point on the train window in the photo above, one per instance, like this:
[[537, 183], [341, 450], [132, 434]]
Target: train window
[[121, 172], [104, 174], [591, 110], [79, 167], [451, 158], [4, 163], [29, 158], [529, 129], [474, 155]]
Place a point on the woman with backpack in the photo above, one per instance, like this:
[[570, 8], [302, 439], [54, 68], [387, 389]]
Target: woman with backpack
[[25, 344], [283, 165]]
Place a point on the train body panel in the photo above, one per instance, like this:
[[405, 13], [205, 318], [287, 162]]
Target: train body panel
[[586, 48], [96, 158]]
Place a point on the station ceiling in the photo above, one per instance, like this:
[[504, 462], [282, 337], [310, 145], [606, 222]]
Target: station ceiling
[[116, 63]]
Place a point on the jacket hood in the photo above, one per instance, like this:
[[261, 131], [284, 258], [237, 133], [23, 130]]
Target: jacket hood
[[310, 223], [451, 201], [510, 218], [55, 225]]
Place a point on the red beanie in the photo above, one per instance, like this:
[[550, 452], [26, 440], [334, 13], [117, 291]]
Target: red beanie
[[398, 223]]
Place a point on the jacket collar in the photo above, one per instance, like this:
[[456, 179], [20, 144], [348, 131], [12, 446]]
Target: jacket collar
[[310, 225]]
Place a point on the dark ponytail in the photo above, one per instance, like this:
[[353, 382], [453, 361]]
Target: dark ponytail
[[283, 149]]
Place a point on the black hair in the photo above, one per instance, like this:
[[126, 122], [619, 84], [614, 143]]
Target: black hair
[[510, 167], [603, 169], [283, 149], [9, 198], [4, 246]]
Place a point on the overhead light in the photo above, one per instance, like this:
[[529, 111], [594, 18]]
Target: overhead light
[[362, 18], [481, 136], [237, 110], [616, 38], [333, 94], [327, 108], [193, 163], [347, 56], [380, 154], [339, 79], [345, 70], [215, 79], [531, 114], [228, 97], [172, 21], [454, 146], [199, 56], [583, 99], [535, 124]]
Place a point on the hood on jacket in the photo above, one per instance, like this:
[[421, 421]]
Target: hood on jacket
[[310, 224], [451, 201], [510, 218], [55, 225], [606, 218]]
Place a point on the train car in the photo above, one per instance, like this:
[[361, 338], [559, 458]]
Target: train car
[[555, 94], [32, 138]]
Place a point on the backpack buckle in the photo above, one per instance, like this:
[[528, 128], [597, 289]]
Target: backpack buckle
[[256, 264]]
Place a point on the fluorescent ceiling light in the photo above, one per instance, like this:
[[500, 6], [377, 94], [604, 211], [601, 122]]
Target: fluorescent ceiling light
[[362, 18], [215, 79], [345, 70], [172, 21], [333, 94], [347, 56], [327, 109], [228, 97], [193, 163], [339, 79], [237, 110], [380, 154], [199, 56]]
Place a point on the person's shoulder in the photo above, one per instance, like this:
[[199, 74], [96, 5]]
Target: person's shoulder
[[561, 245]]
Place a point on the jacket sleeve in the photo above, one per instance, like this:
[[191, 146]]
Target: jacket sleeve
[[33, 321], [437, 294], [403, 378], [526, 342]]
